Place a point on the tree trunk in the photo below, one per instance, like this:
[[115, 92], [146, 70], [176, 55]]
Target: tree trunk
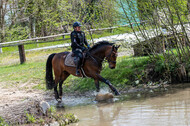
[[188, 6], [32, 27], [3, 10]]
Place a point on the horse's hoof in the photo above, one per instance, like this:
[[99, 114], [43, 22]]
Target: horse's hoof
[[59, 100], [97, 90]]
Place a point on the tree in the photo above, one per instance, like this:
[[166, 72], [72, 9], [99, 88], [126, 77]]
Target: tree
[[21, 19], [3, 11], [166, 24]]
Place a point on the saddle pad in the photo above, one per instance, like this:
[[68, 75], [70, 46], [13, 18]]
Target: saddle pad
[[69, 60]]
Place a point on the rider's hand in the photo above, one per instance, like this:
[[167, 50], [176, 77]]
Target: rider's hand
[[89, 47], [83, 49]]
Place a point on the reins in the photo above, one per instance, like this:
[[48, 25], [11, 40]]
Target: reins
[[105, 59]]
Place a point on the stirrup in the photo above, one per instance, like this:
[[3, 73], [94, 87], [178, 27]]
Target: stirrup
[[77, 72]]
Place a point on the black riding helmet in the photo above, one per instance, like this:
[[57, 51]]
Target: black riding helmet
[[77, 24]]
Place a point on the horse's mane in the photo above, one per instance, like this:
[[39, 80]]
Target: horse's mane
[[100, 44]]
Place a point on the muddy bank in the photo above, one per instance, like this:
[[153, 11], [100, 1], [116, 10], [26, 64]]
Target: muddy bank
[[15, 103]]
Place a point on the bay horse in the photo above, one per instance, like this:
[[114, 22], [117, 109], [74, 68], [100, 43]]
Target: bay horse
[[92, 66]]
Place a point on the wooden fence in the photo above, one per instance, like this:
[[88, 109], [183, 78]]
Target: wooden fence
[[21, 43]]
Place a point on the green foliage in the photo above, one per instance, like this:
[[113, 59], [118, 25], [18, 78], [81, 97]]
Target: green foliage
[[30, 118], [160, 65], [17, 32], [41, 121], [52, 109], [65, 119], [2, 122], [71, 117], [36, 18], [148, 9]]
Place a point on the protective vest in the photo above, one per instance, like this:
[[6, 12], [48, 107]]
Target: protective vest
[[78, 40]]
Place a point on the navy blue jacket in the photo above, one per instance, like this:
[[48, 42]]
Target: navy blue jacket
[[78, 40]]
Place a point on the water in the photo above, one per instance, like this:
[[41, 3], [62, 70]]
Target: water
[[172, 108], [131, 9]]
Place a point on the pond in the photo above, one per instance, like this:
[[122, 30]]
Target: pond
[[167, 108]]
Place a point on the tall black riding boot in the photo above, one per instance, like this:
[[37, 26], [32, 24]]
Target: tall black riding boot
[[77, 62], [77, 71]]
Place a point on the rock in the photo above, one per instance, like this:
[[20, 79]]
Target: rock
[[44, 106], [138, 95], [66, 121], [104, 97], [54, 124]]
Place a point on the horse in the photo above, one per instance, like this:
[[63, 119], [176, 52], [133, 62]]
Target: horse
[[92, 66]]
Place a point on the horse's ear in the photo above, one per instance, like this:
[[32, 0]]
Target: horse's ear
[[117, 47], [113, 47]]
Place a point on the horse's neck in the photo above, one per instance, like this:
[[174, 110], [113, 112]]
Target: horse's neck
[[99, 56]]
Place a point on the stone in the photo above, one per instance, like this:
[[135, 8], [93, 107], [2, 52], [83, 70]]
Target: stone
[[44, 106], [54, 124], [104, 97]]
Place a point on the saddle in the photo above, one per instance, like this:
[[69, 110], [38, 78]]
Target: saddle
[[69, 60]]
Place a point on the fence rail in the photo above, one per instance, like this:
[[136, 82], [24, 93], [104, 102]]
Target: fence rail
[[15, 43], [21, 43]]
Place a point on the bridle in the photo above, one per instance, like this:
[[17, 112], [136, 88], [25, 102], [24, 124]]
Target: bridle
[[107, 58]]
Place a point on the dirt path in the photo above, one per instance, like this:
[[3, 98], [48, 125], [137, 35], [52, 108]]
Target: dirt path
[[15, 103]]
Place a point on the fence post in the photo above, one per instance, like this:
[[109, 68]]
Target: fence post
[[21, 54]]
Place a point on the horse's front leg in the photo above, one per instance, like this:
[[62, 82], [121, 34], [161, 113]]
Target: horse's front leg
[[60, 90], [55, 90], [109, 84]]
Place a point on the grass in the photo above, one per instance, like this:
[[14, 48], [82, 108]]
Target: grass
[[33, 71], [2, 122], [30, 118], [18, 74]]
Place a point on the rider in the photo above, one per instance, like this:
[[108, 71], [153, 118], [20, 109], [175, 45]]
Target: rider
[[78, 42]]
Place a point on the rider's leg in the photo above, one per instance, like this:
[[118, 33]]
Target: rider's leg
[[77, 63]]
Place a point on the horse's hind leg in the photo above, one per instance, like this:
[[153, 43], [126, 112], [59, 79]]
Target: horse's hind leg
[[58, 96]]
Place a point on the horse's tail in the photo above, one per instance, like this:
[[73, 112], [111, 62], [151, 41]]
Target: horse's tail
[[49, 75]]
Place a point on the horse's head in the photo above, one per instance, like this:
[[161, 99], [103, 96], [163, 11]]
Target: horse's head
[[111, 56]]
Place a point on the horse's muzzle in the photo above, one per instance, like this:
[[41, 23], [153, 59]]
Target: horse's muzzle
[[112, 67]]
